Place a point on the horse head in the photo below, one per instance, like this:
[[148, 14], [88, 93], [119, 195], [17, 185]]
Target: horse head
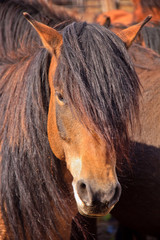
[[73, 137]]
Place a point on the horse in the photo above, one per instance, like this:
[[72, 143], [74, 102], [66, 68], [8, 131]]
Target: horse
[[68, 96], [116, 16], [138, 210]]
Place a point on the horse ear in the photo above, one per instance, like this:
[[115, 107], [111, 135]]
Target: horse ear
[[51, 39], [129, 34]]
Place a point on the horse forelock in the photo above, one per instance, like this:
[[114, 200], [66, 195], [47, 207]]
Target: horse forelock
[[99, 81]]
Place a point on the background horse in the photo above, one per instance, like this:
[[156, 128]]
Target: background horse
[[143, 8], [80, 92], [138, 209], [120, 19]]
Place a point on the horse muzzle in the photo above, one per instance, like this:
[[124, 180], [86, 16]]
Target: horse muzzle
[[93, 201]]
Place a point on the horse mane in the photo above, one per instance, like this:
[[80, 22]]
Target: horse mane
[[30, 193], [13, 33], [150, 35], [99, 81]]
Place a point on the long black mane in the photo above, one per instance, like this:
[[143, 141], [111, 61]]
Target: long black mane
[[98, 80], [28, 189]]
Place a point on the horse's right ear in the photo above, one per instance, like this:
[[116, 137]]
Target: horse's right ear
[[51, 39], [129, 34]]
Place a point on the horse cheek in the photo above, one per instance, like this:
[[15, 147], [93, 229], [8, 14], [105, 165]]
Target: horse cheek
[[53, 134]]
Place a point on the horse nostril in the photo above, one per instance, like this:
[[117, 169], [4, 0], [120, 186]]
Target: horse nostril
[[96, 197], [116, 196], [83, 191], [83, 186]]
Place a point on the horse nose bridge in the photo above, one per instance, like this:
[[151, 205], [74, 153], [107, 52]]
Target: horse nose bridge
[[93, 151], [92, 142], [98, 169], [91, 195]]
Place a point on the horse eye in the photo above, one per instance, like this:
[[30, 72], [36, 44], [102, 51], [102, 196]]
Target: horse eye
[[60, 97]]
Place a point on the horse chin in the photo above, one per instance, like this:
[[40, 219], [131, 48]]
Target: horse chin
[[94, 212]]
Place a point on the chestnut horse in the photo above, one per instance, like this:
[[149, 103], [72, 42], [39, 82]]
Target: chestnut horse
[[67, 103]]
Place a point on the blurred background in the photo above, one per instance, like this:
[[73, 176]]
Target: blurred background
[[90, 8]]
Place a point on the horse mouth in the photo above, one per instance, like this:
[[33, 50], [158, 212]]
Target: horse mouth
[[96, 211], [98, 207]]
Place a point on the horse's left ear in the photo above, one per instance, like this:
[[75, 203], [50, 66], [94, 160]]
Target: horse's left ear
[[51, 39], [129, 34]]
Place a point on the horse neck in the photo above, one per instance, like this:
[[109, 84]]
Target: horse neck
[[147, 65]]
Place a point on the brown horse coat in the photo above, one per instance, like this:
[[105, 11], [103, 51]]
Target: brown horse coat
[[138, 208]]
